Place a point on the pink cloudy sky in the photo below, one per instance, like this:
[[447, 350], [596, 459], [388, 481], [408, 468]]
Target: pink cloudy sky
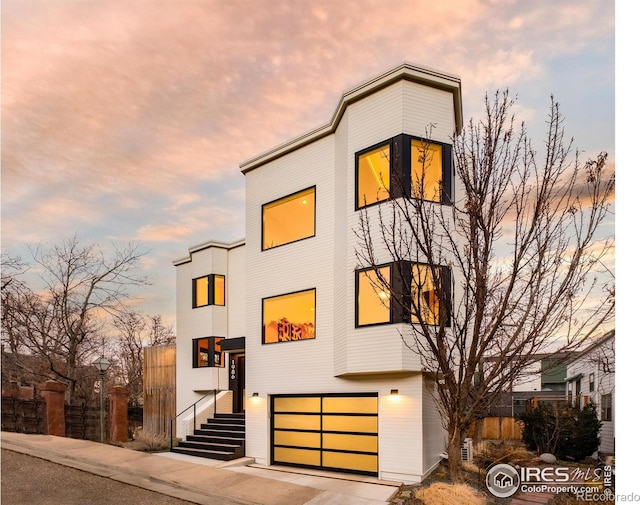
[[127, 120]]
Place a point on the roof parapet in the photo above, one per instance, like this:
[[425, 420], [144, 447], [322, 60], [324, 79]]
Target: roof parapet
[[405, 71]]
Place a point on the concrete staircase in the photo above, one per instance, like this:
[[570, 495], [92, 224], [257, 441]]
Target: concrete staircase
[[221, 437]]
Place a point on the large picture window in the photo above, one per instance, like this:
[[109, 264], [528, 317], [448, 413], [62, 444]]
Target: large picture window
[[382, 291], [404, 166], [289, 219], [207, 352], [289, 317], [208, 290]]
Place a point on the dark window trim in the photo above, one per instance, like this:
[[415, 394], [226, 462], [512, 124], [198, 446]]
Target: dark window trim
[[400, 169], [393, 273], [315, 218], [315, 304], [401, 273], [210, 351], [211, 291]]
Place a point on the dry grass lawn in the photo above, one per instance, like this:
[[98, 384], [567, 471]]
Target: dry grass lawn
[[440, 493]]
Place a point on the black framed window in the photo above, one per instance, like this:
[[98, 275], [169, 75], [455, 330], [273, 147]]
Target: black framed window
[[404, 166], [289, 317], [208, 290], [289, 219], [403, 292], [606, 407], [207, 352]]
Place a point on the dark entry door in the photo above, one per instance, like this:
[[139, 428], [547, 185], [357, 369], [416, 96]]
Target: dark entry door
[[236, 380]]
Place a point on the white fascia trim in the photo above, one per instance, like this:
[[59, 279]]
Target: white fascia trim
[[206, 245], [406, 71]]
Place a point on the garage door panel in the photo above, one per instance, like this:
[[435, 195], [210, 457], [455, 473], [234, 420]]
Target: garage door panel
[[366, 424], [296, 422], [361, 443], [348, 461], [352, 405], [296, 439], [296, 404], [306, 457]]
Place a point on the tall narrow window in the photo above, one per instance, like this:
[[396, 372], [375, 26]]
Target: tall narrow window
[[426, 170], [429, 285], [374, 175], [289, 317], [374, 298], [606, 407], [208, 290], [207, 352], [218, 290], [289, 219]]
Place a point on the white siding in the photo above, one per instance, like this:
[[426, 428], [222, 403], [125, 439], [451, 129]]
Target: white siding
[[604, 384], [206, 321]]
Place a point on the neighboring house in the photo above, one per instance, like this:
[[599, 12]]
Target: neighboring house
[[286, 321], [542, 381], [591, 378]]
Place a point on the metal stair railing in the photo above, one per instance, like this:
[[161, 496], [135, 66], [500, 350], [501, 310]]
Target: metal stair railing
[[192, 406]]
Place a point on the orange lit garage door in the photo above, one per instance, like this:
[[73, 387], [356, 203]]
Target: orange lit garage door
[[331, 431]]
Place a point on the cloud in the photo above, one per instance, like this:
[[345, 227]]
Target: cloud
[[130, 118]]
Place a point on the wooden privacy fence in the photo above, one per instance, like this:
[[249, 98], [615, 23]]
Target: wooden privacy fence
[[159, 389], [501, 428]]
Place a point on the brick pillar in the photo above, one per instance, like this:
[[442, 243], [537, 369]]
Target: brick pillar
[[26, 392], [53, 394], [118, 414]]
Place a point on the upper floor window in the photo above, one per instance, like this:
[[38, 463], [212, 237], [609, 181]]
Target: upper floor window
[[404, 166], [207, 352], [289, 219], [208, 290], [423, 290], [374, 297], [289, 317]]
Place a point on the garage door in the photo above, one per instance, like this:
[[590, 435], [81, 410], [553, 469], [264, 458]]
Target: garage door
[[330, 431]]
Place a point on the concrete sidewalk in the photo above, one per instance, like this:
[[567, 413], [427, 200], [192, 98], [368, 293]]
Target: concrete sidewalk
[[203, 481]]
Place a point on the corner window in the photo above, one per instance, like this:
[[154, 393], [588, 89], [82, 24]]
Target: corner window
[[207, 352], [208, 290], [426, 170], [592, 382], [289, 317], [289, 219], [374, 175], [404, 166], [374, 298], [427, 287], [427, 283]]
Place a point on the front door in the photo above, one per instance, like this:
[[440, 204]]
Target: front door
[[236, 380]]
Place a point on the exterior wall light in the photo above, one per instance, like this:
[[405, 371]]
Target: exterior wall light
[[255, 395], [394, 392]]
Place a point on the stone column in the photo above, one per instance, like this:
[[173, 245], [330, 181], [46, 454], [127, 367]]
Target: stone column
[[53, 394], [118, 414]]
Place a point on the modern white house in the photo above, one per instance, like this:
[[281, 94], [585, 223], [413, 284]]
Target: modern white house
[[591, 378], [285, 329]]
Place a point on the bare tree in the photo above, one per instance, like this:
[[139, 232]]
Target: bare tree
[[134, 332], [521, 247], [62, 320]]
